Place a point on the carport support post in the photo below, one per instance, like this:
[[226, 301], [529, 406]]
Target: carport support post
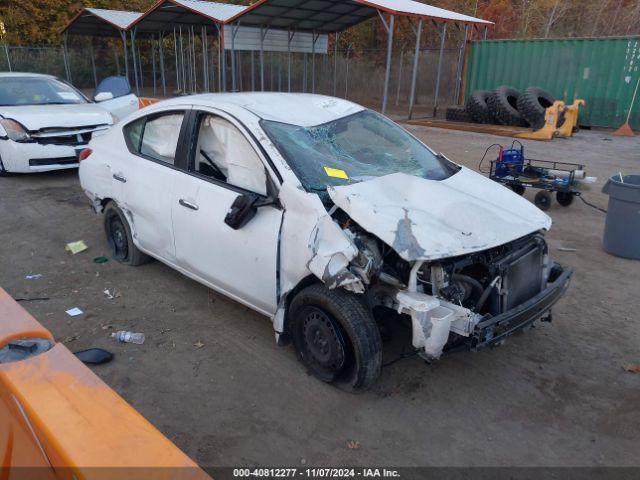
[[387, 75], [153, 64], [175, 50], [313, 62], [93, 64], [6, 51], [401, 67], [289, 38], [205, 66], [336, 36], [234, 31], [346, 75], [135, 63], [414, 75], [460, 66], [223, 59], [123, 34], [263, 33], [161, 53], [65, 57], [435, 99]]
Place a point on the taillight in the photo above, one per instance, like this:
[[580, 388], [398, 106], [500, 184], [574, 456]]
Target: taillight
[[84, 154]]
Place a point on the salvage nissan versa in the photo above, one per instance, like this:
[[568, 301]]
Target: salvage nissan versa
[[314, 211]]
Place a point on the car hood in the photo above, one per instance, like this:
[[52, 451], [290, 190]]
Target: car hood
[[37, 117], [430, 219]]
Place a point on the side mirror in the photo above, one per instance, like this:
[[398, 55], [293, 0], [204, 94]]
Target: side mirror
[[103, 96], [242, 210]]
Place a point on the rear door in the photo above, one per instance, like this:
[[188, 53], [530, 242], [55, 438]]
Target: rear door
[[225, 162], [147, 179]]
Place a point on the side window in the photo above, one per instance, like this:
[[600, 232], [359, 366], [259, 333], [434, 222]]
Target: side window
[[155, 136], [224, 153]]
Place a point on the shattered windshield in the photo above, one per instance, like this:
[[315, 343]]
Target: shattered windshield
[[353, 149]]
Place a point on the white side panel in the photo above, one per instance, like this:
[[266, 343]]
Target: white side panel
[[248, 38]]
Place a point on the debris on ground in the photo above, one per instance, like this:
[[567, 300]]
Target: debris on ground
[[100, 260], [631, 368], [567, 249], [32, 299], [198, 344], [76, 247], [35, 276], [112, 294], [94, 356], [353, 445], [128, 337], [73, 312]]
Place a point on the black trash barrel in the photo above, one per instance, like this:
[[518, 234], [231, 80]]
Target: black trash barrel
[[622, 226]]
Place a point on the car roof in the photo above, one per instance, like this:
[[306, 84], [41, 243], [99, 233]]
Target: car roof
[[24, 74], [294, 108]]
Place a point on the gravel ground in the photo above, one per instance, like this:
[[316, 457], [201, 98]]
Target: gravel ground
[[212, 379]]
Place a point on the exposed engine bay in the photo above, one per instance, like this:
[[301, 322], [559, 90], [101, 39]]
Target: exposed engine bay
[[451, 295]]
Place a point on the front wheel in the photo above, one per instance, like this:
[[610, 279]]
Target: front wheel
[[119, 237], [336, 337]]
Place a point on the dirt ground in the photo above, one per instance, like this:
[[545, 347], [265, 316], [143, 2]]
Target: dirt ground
[[212, 379]]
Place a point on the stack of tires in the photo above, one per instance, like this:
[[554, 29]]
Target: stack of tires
[[505, 106]]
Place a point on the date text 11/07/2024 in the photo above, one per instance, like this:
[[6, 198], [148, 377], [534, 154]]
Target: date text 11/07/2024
[[315, 473]]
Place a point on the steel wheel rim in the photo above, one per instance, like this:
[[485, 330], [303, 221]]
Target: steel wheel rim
[[323, 343], [118, 238]]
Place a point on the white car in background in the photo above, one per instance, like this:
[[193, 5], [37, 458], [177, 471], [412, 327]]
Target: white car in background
[[328, 218], [45, 122]]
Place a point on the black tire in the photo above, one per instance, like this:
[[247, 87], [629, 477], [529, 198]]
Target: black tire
[[336, 337], [564, 198], [3, 172], [503, 105], [477, 107], [533, 104], [519, 189], [119, 237], [542, 200], [457, 114]]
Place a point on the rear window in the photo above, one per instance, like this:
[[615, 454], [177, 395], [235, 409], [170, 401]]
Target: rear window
[[155, 137]]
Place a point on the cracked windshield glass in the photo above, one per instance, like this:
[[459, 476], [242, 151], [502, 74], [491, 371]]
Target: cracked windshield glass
[[354, 149]]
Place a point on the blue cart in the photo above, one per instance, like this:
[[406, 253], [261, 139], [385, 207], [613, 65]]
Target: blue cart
[[512, 169]]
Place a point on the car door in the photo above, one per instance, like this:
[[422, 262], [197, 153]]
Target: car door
[[114, 95], [147, 179], [224, 162]]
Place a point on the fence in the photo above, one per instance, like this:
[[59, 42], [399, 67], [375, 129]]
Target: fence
[[357, 76]]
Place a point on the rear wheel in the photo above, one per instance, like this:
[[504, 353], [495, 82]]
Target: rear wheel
[[564, 198], [542, 200], [119, 237], [336, 337]]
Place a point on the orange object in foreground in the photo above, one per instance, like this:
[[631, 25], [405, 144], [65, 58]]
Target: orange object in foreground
[[146, 101], [58, 420]]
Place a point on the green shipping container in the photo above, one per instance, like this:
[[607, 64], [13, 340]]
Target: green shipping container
[[602, 71]]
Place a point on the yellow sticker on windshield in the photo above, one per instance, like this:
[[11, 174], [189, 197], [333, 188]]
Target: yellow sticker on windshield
[[336, 173]]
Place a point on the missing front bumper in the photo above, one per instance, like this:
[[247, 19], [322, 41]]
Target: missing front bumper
[[491, 331]]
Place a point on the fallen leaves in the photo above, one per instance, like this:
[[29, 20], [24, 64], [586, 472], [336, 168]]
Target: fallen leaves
[[353, 445]]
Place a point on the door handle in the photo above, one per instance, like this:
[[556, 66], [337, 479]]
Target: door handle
[[184, 203], [119, 178]]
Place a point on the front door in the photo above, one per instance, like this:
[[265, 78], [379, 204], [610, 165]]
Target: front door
[[223, 164]]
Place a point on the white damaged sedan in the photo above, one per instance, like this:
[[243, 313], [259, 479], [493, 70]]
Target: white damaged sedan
[[326, 217], [45, 122]]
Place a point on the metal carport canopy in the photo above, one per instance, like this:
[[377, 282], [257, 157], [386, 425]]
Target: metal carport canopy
[[167, 13], [98, 22], [329, 16]]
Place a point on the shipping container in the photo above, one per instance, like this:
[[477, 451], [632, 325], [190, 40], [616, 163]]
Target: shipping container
[[602, 71]]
